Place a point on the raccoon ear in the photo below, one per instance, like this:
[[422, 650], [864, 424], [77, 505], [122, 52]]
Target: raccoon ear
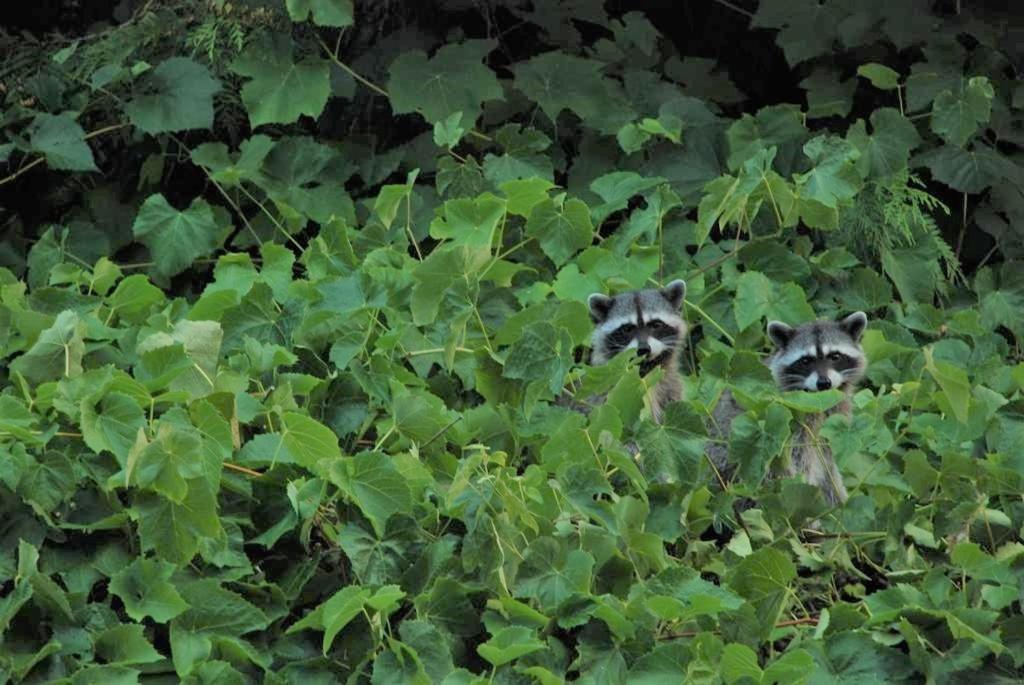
[[674, 292], [854, 325], [599, 305], [779, 333]]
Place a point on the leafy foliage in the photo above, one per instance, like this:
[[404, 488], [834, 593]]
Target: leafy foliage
[[284, 388]]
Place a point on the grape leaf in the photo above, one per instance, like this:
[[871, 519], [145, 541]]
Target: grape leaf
[[176, 96], [62, 141], [175, 238], [281, 90], [453, 80]]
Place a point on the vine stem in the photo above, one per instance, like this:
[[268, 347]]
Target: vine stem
[[39, 160], [735, 8], [351, 72], [242, 469]]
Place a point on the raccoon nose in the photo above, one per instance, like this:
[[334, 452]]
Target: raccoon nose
[[643, 348], [824, 383]]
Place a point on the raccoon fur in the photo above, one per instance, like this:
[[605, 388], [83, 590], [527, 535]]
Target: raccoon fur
[[650, 322], [813, 357]]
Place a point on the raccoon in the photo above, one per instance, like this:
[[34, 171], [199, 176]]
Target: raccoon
[[650, 322], [814, 356]]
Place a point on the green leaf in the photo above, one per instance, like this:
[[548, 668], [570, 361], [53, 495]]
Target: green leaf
[[763, 578], [970, 171], [543, 353], [561, 229], [525, 194], [957, 116], [134, 298], [557, 81], [334, 614], [551, 574], [453, 80], [508, 644], [753, 296], [126, 644], [113, 425], [62, 141], [176, 239], [144, 588], [373, 483], [281, 90], [953, 381], [739, 662], [57, 353], [419, 415], [885, 151], [337, 13], [176, 96], [833, 179], [308, 440], [880, 75], [470, 222], [173, 530]]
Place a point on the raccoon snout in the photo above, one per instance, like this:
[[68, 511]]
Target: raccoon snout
[[824, 383], [643, 348]]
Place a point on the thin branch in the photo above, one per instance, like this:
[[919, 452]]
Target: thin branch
[[348, 70], [242, 469], [39, 160], [735, 8]]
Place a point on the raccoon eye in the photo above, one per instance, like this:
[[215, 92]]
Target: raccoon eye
[[661, 327], [625, 329], [836, 356], [805, 360]]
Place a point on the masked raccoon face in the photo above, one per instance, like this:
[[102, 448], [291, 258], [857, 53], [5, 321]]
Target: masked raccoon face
[[647, 321], [819, 355]]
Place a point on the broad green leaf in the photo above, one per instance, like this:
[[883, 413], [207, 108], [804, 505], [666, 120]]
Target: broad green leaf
[[561, 229], [557, 81], [543, 354], [201, 341], [763, 578], [753, 297], [880, 75], [739, 663], [308, 440], [176, 96], [280, 90], [112, 425], [337, 13], [453, 80], [470, 222], [885, 151], [420, 416], [144, 588], [525, 194], [173, 530], [134, 298], [953, 381], [334, 614], [175, 238], [62, 141], [126, 644], [508, 644], [778, 126], [956, 116], [833, 178], [970, 171], [551, 574], [373, 483], [57, 353]]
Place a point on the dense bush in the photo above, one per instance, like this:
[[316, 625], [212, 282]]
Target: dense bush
[[290, 289]]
